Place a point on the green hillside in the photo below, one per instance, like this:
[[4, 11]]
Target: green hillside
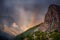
[[38, 35], [26, 33]]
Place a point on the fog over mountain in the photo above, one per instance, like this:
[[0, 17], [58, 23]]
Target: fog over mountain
[[26, 13]]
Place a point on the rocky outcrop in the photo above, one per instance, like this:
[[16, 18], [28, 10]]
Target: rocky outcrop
[[53, 17]]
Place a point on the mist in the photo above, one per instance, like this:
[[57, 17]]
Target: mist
[[26, 13]]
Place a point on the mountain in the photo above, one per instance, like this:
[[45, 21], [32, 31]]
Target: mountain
[[51, 22], [53, 17], [7, 30]]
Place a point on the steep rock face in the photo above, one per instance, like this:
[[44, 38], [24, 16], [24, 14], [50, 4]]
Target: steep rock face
[[53, 17]]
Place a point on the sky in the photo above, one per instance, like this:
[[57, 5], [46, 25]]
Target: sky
[[26, 13]]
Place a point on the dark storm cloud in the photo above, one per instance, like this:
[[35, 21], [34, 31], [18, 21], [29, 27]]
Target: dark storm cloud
[[11, 3], [12, 7]]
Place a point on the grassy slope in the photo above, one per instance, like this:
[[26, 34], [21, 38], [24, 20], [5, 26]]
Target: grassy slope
[[24, 34]]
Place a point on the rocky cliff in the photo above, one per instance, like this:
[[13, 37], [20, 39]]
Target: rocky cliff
[[53, 17]]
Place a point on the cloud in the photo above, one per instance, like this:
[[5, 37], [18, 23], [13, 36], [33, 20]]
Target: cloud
[[26, 12]]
